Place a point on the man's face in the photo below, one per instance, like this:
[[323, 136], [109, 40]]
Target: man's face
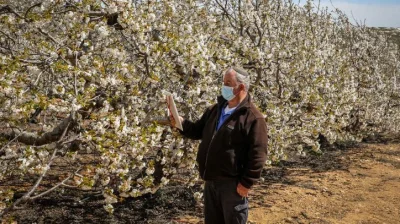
[[231, 81]]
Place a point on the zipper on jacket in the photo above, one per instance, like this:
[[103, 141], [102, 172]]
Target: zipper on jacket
[[212, 138], [208, 149]]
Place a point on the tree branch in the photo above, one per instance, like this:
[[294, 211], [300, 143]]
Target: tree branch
[[46, 138], [50, 37], [27, 196], [62, 183], [7, 8], [9, 142], [30, 8]]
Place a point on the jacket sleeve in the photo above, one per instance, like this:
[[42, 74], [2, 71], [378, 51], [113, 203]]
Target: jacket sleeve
[[194, 130], [257, 154]]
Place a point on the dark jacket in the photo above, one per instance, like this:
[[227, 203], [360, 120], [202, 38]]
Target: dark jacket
[[237, 150]]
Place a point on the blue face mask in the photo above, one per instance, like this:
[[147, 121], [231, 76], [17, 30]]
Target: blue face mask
[[227, 92]]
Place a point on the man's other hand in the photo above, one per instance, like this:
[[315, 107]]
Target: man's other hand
[[242, 191]]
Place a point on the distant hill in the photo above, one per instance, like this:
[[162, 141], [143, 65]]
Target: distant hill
[[392, 33]]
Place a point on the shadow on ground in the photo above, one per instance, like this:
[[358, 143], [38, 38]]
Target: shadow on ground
[[73, 206]]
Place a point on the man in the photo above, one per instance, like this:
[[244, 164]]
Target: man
[[233, 149]]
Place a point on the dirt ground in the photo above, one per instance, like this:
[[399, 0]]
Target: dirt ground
[[353, 185], [359, 184]]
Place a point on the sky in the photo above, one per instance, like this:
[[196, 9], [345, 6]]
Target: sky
[[375, 13]]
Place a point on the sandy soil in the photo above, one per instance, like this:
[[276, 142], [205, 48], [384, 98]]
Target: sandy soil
[[360, 184]]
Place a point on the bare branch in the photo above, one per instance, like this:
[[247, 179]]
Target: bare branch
[[46, 138], [5, 34], [30, 8], [49, 36], [7, 8], [10, 142], [36, 62], [26, 196], [95, 13], [62, 183], [230, 18], [51, 189]]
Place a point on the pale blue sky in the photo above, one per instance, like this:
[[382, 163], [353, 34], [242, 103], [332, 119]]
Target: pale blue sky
[[385, 13]]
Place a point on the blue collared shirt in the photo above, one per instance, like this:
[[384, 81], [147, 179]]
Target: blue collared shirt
[[223, 117]]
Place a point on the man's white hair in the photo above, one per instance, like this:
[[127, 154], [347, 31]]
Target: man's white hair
[[241, 76]]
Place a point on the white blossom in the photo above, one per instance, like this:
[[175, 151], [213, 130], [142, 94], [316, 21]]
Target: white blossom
[[150, 170], [151, 17], [109, 208], [103, 31]]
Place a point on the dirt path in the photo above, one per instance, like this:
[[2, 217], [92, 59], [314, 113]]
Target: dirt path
[[349, 185], [358, 185], [353, 185]]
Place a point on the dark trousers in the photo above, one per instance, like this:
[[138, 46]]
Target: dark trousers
[[222, 203]]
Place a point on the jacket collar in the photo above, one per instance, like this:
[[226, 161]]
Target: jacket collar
[[244, 104]]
